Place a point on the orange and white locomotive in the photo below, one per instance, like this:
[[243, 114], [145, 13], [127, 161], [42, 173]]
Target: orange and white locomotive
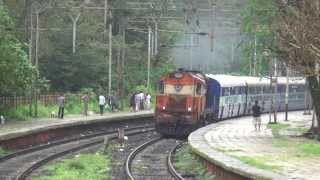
[[180, 103]]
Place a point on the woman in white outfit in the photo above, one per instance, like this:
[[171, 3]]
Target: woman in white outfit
[[148, 101]]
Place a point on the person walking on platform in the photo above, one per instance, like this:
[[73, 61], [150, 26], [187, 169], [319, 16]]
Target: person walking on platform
[[256, 109], [85, 100], [61, 102], [148, 101], [102, 102], [137, 101]]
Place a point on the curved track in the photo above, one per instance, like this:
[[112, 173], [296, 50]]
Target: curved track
[[152, 160], [20, 164]]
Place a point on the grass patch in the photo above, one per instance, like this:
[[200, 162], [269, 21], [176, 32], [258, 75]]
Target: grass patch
[[257, 162], [3, 152], [303, 149], [299, 129], [276, 128], [225, 150], [309, 148], [186, 163], [81, 167]]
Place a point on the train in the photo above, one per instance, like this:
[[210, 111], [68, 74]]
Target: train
[[187, 100]]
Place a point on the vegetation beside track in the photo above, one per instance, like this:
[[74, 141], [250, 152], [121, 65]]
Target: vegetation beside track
[[80, 167], [3, 152], [188, 164]]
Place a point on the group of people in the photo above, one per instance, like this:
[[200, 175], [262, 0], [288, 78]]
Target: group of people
[[85, 100], [140, 101]]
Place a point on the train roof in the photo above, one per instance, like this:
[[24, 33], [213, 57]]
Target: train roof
[[227, 80], [232, 81]]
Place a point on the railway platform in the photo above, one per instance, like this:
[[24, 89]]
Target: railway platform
[[233, 149], [16, 129]]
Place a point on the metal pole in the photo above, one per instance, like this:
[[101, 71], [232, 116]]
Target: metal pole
[[110, 55], [212, 26], [152, 43], [36, 63], [255, 56], [149, 55], [74, 31], [30, 59], [287, 93], [276, 90], [105, 12], [156, 39], [191, 54], [305, 97], [37, 37], [232, 53], [122, 65]]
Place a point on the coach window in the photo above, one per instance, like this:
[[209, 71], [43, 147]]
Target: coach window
[[225, 92], [161, 87], [198, 89]]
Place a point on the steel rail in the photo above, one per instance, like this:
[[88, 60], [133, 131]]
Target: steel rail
[[27, 172], [170, 165], [60, 142], [134, 153]]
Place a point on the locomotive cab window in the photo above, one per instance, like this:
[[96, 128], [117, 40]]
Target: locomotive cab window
[[198, 89], [161, 87]]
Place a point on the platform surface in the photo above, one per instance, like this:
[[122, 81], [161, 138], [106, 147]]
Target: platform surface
[[21, 128], [226, 142]]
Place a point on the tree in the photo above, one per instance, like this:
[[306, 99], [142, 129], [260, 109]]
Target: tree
[[16, 73], [299, 43], [258, 25]]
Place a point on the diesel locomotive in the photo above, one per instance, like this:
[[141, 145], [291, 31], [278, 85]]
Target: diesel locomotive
[[187, 100]]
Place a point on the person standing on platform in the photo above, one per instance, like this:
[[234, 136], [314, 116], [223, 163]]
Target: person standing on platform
[[102, 102], [256, 109], [61, 102], [142, 98], [132, 102], [148, 101], [85, 100], [137, 101]]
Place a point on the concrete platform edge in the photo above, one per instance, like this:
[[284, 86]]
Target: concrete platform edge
[[66, 123], [201, 148]]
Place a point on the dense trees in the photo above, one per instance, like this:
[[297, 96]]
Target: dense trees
[[87, 66], [16, 73], [299, 43]]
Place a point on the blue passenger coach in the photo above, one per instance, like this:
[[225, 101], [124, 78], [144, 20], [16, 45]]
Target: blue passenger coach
[[232, 96], [226, 95]]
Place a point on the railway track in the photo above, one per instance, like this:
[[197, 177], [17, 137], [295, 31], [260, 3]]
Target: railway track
[[20, 164], [153, 160]]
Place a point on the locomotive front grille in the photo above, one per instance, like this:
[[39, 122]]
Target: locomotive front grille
[[177, 103]]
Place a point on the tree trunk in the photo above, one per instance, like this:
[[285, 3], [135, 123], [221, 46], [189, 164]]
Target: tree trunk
[[315, 94]]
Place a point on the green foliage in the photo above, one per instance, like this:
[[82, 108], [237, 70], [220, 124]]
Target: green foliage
[[16, 73], [187, 163], [81, 167], [258, 21]]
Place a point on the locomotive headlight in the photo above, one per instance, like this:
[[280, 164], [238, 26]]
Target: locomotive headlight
[[189, 109], [163, 108]]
